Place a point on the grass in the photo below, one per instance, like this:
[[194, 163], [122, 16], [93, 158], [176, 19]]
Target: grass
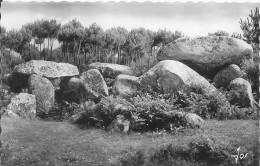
[[46, 143]]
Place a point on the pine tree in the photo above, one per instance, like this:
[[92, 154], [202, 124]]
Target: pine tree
[[250, 28]]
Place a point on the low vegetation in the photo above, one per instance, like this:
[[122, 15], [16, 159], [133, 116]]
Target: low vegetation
[[149, 112], [48, 143]]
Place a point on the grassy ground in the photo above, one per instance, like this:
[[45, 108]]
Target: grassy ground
[[33, 143]]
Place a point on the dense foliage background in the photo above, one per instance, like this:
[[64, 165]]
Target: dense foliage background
[[81, 45]]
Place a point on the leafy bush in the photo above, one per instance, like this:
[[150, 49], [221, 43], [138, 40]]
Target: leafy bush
[[7, 62], [154, 113], [61, 111], [5, 97], [151, 112], [243, 113], [103, 113]]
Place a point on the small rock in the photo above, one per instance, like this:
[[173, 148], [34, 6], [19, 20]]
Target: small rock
[[23, 105], [194, 120]]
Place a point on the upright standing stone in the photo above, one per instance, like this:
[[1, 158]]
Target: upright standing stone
[[95, 81], [240, 93], [44, 92]]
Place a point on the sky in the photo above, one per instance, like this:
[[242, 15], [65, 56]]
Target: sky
[[193, 19]]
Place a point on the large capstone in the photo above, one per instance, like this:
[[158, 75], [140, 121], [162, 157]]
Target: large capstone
[[18, 78], [206, 55]]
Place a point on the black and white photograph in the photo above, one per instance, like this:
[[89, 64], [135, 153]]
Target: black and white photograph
[[127, 83]]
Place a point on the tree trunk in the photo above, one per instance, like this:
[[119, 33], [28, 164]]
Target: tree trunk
[[118, 52], [51, 48], [48, 46], [40, 47], [67, 51], [44, 53], [73, 51], [151, 51], [79, 50], [85, 54]]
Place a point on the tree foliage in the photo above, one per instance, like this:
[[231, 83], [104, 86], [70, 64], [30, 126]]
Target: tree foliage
[[250, 28], [81, 45], [219, 33]]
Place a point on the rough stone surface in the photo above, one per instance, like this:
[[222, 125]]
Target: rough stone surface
[[125, 86], [109, 70], [170, 76], [119, 124], [11, 114], [194, 120], [47, 69], [240, 93], [44, 92], [73, 89], [95, 81], [206, 55], [23, 105], [225, 76]]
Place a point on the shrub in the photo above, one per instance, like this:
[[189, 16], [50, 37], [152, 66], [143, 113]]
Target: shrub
[[151, 113], [243, 113], [7, 62], [61, 111], [103, 113], [5, 97]]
